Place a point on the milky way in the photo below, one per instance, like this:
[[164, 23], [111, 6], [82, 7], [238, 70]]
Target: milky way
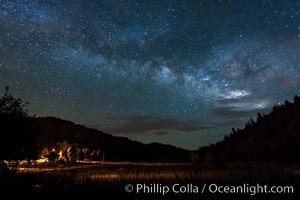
[[177, 72]]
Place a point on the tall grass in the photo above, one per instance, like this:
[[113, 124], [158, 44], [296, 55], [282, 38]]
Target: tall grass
[[112, 179]]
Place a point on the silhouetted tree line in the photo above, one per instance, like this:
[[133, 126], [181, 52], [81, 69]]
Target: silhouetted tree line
[[272, 137], [17, 140]]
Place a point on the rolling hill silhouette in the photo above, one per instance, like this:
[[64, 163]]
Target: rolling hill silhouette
[[50, 131], [274, 137], [26, 137]]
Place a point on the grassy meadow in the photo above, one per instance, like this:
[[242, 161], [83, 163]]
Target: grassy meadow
[[111, 178]]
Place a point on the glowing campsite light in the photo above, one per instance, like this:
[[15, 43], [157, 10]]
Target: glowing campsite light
[[42, 160]]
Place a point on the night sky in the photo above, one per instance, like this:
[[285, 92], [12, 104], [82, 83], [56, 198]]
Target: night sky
[[179, 72]]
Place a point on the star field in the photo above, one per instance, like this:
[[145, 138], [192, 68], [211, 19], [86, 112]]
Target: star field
[[177, 72]]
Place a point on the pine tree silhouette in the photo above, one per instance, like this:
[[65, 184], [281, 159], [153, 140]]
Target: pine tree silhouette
[[16, 138], [272, 137], [12, 105]]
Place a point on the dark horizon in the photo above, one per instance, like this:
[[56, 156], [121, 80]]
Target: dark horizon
[[175, 72]]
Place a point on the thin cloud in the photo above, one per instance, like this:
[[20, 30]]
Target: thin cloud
[[229, 112], [156, 125]]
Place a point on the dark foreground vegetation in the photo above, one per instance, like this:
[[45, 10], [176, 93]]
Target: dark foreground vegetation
[[89, 180]]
